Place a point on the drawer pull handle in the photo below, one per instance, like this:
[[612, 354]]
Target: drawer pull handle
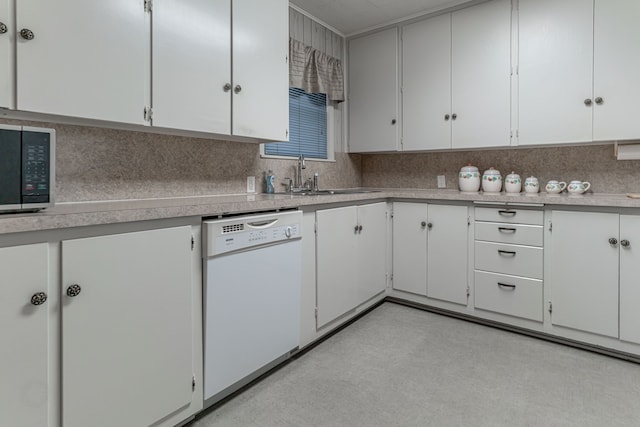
[[506, 230], [505, 285], [507, 213], [505, 253]]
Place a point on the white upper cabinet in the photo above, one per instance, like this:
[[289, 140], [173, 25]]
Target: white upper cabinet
[[456, 79], [83, 58], [426, 84], [261, 69], [373, 92], [555, 71], [616, 87], [7, 35], [192, 65], [481, 75]]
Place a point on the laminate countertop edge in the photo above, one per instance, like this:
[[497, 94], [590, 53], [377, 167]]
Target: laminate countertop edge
[[79, 214]]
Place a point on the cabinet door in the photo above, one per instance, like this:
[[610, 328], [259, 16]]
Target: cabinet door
[[555, 71], [126, 337], [24, 394], [584, 271], [373, 92], [192, 64], [481, 75], [6, 58], [426, 84], [261, 69], [447, 249], [616, 64], [410, 247], [630, 278], [87, 59], [337, 289], [372, 250]]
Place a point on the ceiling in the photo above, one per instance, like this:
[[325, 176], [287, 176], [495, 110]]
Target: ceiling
[[355, 16]]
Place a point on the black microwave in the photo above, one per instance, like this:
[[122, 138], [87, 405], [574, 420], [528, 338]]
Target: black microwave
[[27, 172]]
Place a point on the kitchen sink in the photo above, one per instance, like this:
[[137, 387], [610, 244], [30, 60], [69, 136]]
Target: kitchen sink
[[335, 192]]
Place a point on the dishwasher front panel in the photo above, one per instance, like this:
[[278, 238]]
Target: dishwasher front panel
[[252, 313]]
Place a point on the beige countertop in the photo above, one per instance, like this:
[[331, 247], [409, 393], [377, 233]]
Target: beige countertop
[[65, 215]]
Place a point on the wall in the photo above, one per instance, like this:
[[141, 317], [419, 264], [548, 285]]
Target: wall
[[594, 163], [105, 164]]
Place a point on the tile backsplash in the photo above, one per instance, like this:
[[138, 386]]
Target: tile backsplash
[[106, 164], [594, 163]]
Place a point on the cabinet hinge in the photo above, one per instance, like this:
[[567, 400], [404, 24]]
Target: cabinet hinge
[[550, 226], [468, 292], [316, 313], [315, 228], [148, 114], [550, 307], [193, 242], [193, 383], [468, 221], [148, 5], [286, 59]]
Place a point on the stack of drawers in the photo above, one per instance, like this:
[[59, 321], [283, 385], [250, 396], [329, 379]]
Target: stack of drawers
[[508, 262]]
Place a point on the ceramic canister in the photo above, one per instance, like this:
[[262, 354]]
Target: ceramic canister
[[469, 179], [491, 181], [513, 183], [531, 185]]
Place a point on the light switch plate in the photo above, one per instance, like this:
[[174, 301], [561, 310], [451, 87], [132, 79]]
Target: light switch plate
[[442, 183], [251, 184]]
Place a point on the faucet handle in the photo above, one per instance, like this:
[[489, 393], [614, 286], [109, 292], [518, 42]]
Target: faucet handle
[[289, 184]]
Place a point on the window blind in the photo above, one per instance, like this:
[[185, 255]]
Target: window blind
[[307, 127]]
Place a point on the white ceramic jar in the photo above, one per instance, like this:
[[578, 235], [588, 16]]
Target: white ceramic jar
[[578, 187], [513, 183], [491, 181], [531, 185], [469, 179], [555, 187]]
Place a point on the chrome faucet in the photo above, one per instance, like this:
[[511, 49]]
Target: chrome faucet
[[301, 165]]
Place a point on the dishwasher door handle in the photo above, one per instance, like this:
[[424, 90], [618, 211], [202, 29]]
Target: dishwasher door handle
[[262, 224]]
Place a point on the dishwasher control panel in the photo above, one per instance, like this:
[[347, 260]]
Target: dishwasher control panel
[[233, 234]]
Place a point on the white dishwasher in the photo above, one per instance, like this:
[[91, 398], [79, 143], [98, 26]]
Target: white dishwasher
[[253, 274]]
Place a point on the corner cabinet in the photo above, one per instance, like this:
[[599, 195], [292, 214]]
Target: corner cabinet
[[573, 87], [25, 309], [126, 328], [456, 79], [373, 93], [211, 77], [7, 40], [430, 250], [351, 258], [83, 59]]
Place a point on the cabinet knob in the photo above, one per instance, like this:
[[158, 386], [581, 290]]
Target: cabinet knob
[[27, 34], [430, 225], [393, 121], [355, 230], [454, 116], [446, 117], [226, 87], [3, 28], [625, 243], [613, 241], [237, 89], [359, 229], [423, 224], [599, 100], [39, 298], [73, 290], [588, 102]]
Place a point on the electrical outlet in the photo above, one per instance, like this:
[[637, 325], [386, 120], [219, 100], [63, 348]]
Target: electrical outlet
[[442, 183], [251, 184]]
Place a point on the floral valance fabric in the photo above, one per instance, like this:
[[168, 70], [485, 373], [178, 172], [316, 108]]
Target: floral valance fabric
[[315, 71]]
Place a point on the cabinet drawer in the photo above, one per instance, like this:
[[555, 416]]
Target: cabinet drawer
[[520, 216], [518, 234], [509, 259], [515, 296]]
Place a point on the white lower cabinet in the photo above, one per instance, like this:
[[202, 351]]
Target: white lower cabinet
[[584, 271], [430, 250], [351, 258], [24, 334], [126, 328], [511, 295], [630, 278]]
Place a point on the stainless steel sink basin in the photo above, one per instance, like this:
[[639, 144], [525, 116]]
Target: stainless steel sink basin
[[335, 192]]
